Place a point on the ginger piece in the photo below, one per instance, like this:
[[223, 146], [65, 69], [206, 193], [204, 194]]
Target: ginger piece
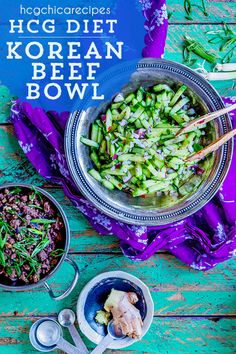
[[126, 316], [102, 317]]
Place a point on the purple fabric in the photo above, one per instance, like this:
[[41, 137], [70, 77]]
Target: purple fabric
[[156, 24], [200, 241]]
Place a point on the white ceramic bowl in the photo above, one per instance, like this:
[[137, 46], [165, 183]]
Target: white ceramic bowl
[[93, 297]]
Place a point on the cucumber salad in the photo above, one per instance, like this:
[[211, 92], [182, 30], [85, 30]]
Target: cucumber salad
[[134, 147]]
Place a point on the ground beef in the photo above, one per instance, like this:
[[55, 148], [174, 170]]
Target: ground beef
[[32, 235], [42, 255]]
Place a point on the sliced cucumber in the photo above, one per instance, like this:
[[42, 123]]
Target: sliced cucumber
[[134, 147]]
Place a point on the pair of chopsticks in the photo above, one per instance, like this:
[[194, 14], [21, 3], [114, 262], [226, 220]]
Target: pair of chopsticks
[[203, 120]]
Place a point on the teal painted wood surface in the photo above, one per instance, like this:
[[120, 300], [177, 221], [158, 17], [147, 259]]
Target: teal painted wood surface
[[166, 335], [194, 312], [176, 289]]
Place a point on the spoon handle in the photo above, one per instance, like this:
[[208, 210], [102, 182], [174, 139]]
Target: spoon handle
[[67, 347], [77, 339], [212, 147], [102, 346], [205, 119]]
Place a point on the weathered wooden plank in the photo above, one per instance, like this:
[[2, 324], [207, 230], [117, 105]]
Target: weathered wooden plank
[[83, 237], [176, 289], [13, 164], [166, 335], [218, 11]]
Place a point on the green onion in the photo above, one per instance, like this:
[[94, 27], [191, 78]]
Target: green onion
[[189, 5], [2, 259], [197, 147], [42, 221], [33, 231], [193, 46], [226, 38], [57, 253], [35, 206], [42, 244]]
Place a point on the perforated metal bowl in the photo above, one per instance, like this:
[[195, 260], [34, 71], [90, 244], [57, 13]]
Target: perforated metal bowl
[[149, 211]]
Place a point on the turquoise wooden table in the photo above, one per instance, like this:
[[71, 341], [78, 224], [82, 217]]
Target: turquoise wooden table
[[194, 312]]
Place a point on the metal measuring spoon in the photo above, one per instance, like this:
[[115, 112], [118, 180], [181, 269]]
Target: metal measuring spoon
[[66, 318], [106, 341], [46, 335]]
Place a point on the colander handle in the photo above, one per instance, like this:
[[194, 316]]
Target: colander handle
[[70, 288]]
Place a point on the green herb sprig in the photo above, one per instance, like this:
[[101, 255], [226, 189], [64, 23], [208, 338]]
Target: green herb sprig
[[193, 46], [35, 194], [16, 190], [41, 245], [5, 231], [226, 38], [42, 221], [189, 5], [57, 252], [30, 237]]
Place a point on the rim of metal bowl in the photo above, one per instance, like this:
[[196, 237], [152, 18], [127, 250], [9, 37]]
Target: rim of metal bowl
[[67, 236], [176, 215]]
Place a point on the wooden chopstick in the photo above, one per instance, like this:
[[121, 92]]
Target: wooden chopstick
[[205, 119], [212, 147]]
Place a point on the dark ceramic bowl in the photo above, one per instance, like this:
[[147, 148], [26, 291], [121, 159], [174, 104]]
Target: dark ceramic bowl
[[94, 295], [151, 210]]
